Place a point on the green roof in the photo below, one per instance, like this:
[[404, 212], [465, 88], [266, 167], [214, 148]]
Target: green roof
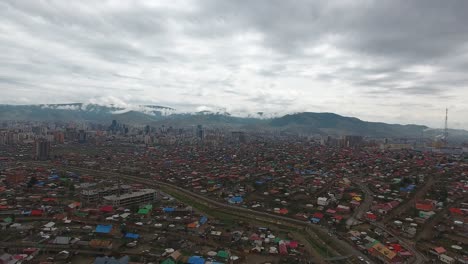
[[168, 261], [371, 244], [81, 214], [8, 220], [143, 211], [223, 254]]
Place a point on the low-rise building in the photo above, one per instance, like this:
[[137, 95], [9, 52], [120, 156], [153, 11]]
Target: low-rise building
[[95, 195], [138, 197]]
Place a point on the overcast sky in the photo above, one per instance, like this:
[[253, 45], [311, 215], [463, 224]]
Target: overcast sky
[[391, 61]]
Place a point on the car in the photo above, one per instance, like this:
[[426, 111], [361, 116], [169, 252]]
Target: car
[[360, 258]]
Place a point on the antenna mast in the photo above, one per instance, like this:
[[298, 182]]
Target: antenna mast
[[446, 126]]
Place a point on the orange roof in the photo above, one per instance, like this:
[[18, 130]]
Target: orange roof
[[384, 251], [193, 225]]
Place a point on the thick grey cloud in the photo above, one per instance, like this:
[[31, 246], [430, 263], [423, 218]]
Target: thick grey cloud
[[394, 61]]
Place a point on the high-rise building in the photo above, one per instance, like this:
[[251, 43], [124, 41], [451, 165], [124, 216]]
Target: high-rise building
[[200, 132], [352, 141], [114, 126], [81, 136], [238, 136], [42, 149], [59, 137], [70, 134]]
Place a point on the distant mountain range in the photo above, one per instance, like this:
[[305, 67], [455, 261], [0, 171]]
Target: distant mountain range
[[311, 123]]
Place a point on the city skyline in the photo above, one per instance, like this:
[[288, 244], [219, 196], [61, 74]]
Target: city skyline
[[390, 61]]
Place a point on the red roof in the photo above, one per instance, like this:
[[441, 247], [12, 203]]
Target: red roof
[[106, 209], [293, 244], [36, 213], [396, 247], [338, 217], [371, 216], [255, 237], [424, 206], [49, 199], [318, 215], [282, 249], [457, 211], [440, 250]]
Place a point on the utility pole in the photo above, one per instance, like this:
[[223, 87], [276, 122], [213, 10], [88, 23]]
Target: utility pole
[[446, 126], [118, 181]]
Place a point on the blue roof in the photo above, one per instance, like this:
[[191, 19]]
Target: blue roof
[[203, 220], [105, 229], [236, 199], [196, 260], [132, 236], [168, 209], [408, 188]]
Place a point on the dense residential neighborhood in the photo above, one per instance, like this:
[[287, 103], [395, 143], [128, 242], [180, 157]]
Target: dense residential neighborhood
[[159, 195]]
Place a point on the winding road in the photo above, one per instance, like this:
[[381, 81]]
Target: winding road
[[364, 207], [315, 232]]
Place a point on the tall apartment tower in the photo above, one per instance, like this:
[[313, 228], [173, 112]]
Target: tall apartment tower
[[82, 136], [42, 149], [200, 132]]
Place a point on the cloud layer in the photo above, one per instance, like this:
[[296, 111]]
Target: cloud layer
[[393, 61]]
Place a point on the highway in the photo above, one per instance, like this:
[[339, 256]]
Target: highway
[[315, 232]]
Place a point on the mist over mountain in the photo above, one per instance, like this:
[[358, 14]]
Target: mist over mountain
[[340, 125], [306, 122]]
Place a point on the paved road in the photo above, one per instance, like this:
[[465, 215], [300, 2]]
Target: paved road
[[317, 231], [402, 208], [419, 257], [429, 227], [69, 248], [364, 207]]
